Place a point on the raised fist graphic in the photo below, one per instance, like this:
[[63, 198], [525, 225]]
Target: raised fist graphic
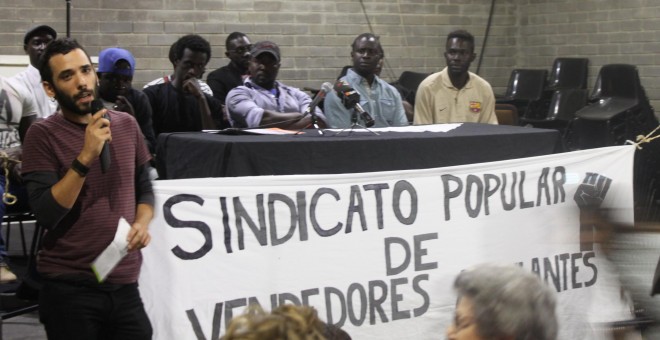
[[591, 193], [589, 196]]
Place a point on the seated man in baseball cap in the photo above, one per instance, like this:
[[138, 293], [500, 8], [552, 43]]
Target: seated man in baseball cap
[[115, 70], [262, 101], [34, 43]]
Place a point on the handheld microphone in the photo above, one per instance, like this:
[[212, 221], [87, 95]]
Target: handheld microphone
[[97, 106], [325, 88], [351, 99]]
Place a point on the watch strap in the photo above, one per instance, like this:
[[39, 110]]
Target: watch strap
[[79, 168]]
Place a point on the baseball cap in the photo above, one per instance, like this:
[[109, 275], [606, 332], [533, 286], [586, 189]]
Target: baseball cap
[[36, 29], [110, 56], [265, 47]]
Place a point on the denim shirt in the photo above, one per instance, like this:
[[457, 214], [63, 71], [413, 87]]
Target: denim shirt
[[381, 100]]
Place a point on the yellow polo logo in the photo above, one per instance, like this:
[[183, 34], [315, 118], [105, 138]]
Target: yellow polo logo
[[475, 107]]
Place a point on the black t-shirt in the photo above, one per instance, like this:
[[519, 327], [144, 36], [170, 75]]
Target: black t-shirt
[[224, 80], [175, 111], [143, 114]]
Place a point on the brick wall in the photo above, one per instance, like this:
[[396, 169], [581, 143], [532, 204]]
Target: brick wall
[[315, 35], [605, 31]]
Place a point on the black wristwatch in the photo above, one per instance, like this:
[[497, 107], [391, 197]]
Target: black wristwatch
[[79, 168]]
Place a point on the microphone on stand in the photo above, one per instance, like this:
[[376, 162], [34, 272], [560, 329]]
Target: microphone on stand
[[325, 88], [368, 120], [97, 106], [311, 109], [351, 99]]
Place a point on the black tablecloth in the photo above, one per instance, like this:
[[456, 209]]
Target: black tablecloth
[[198, 154]]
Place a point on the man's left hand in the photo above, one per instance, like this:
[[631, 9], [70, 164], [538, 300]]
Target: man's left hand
[[122, 104], [138, 236]]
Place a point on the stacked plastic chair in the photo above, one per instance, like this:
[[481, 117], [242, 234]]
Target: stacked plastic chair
[[525, 87], [569, 73], [565, 94], [619, 110]]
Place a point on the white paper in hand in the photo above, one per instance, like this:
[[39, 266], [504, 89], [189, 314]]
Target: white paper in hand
[[116, 251]]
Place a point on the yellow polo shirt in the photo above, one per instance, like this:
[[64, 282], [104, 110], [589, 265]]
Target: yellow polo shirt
[[438, 101]]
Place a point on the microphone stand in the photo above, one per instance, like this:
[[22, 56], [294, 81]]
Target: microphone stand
[[354, 118], [311, 109], [315, 122], [354, 124]]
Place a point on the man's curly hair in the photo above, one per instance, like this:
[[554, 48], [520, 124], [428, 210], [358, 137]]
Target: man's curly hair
[[285, 322]]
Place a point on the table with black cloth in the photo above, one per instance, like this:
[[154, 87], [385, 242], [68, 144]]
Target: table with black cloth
[[198, 154]]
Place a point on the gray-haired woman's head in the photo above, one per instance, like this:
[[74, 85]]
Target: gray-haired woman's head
[[503, 302]]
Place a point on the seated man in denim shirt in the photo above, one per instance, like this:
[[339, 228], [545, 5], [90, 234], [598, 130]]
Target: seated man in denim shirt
[[377, 97], [263, 102]]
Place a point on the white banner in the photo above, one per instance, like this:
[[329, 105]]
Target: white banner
[[377, 253]]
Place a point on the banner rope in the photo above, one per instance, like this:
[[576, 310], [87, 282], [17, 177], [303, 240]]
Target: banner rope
[[641, 139], [7, 198]]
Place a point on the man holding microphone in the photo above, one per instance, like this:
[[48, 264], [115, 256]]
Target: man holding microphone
[[80, 205]]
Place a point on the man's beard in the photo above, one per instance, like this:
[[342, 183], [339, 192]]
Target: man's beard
[[69, 103]]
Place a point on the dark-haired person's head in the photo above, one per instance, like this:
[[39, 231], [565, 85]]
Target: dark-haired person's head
[[171, 55], [264, 64], [115, 71], [459, 52], [233, 36], [283, 322], [462, 35], [35, 41], [192, 53], [68, 75], [238, 47], [366, 53]]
